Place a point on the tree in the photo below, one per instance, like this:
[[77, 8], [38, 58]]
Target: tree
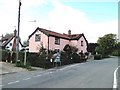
[[118, 48], [106, 44], [74, 49], [26, 43], [42, 53], [7, 36], [70, 49]]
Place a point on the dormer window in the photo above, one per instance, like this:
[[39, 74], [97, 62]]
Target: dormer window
[[57, 40], [37, 37]]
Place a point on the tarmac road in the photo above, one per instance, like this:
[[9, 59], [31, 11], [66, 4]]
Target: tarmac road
[[92, 74]]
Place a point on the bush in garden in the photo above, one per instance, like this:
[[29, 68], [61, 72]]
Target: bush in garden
[[75, 58], [33, 58], [41, 59], [115, 53], [65, 59], [5, 55], [21, 64], [97, 57]]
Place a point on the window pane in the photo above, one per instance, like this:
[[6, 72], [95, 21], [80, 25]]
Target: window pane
[[57, 40], [37, 37], [81, 43], [10, 44]]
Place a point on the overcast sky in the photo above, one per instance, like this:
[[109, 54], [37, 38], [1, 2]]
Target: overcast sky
[[94, 18]]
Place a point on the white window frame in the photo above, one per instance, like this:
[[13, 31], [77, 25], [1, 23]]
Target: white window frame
[[57, 40]]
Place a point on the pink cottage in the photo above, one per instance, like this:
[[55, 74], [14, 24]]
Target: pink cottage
[[52, 40]]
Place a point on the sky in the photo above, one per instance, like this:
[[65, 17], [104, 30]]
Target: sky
[[94, 18]]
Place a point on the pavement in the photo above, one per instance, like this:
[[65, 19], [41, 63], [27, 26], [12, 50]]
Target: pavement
[[9, 68]]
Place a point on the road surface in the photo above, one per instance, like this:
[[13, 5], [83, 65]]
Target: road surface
[[91, 74]]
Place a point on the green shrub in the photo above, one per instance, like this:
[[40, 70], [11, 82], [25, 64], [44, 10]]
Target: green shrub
[[66, 58], [33, 59], [118, 52], [21, 55], [39, 61], [21, 64], [115, 53], [97, 57], [75, 58], [5, 55]]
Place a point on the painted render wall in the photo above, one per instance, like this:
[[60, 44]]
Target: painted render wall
[[84, 47], [10, 47], [35, 46], [77, 43], [53, 46]]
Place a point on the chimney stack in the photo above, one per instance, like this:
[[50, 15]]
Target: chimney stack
[[15, 32], [69, 32]]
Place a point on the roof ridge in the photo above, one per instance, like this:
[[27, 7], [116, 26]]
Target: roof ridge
[[56, 34], [50, 31]]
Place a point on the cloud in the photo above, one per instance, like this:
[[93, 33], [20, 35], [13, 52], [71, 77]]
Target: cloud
[[9, 16], [89, 0], [62, 18], [102, 28], [28, 4]]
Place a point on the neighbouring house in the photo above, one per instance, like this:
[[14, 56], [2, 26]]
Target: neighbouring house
[[55, 41], [9, 43]]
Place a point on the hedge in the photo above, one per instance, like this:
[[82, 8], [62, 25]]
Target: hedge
[[35, 60], [97, 57]]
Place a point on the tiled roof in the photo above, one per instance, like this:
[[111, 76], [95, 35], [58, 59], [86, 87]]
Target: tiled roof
[[7, 40], [55, 34], [52, 33]]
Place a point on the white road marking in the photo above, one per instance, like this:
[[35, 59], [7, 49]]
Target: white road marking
[[46, 73], [1, 85], [37, 76], [115, 78], [69, 66], [51, 72], [27, 78], [13, 82]]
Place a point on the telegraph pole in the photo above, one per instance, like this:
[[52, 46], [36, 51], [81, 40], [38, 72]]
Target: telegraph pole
[[18, 38]]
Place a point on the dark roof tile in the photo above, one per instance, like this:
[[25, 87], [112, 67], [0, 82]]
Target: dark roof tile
[[55, 34]]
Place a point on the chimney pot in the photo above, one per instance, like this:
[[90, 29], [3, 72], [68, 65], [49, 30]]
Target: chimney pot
[[15, 32], [69, 32]]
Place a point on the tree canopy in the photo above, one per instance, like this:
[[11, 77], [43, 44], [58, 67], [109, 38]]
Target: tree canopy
[[26, 43], [8, 35], [106, 44]]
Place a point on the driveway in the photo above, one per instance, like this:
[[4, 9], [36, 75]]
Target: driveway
[[7, 68]]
